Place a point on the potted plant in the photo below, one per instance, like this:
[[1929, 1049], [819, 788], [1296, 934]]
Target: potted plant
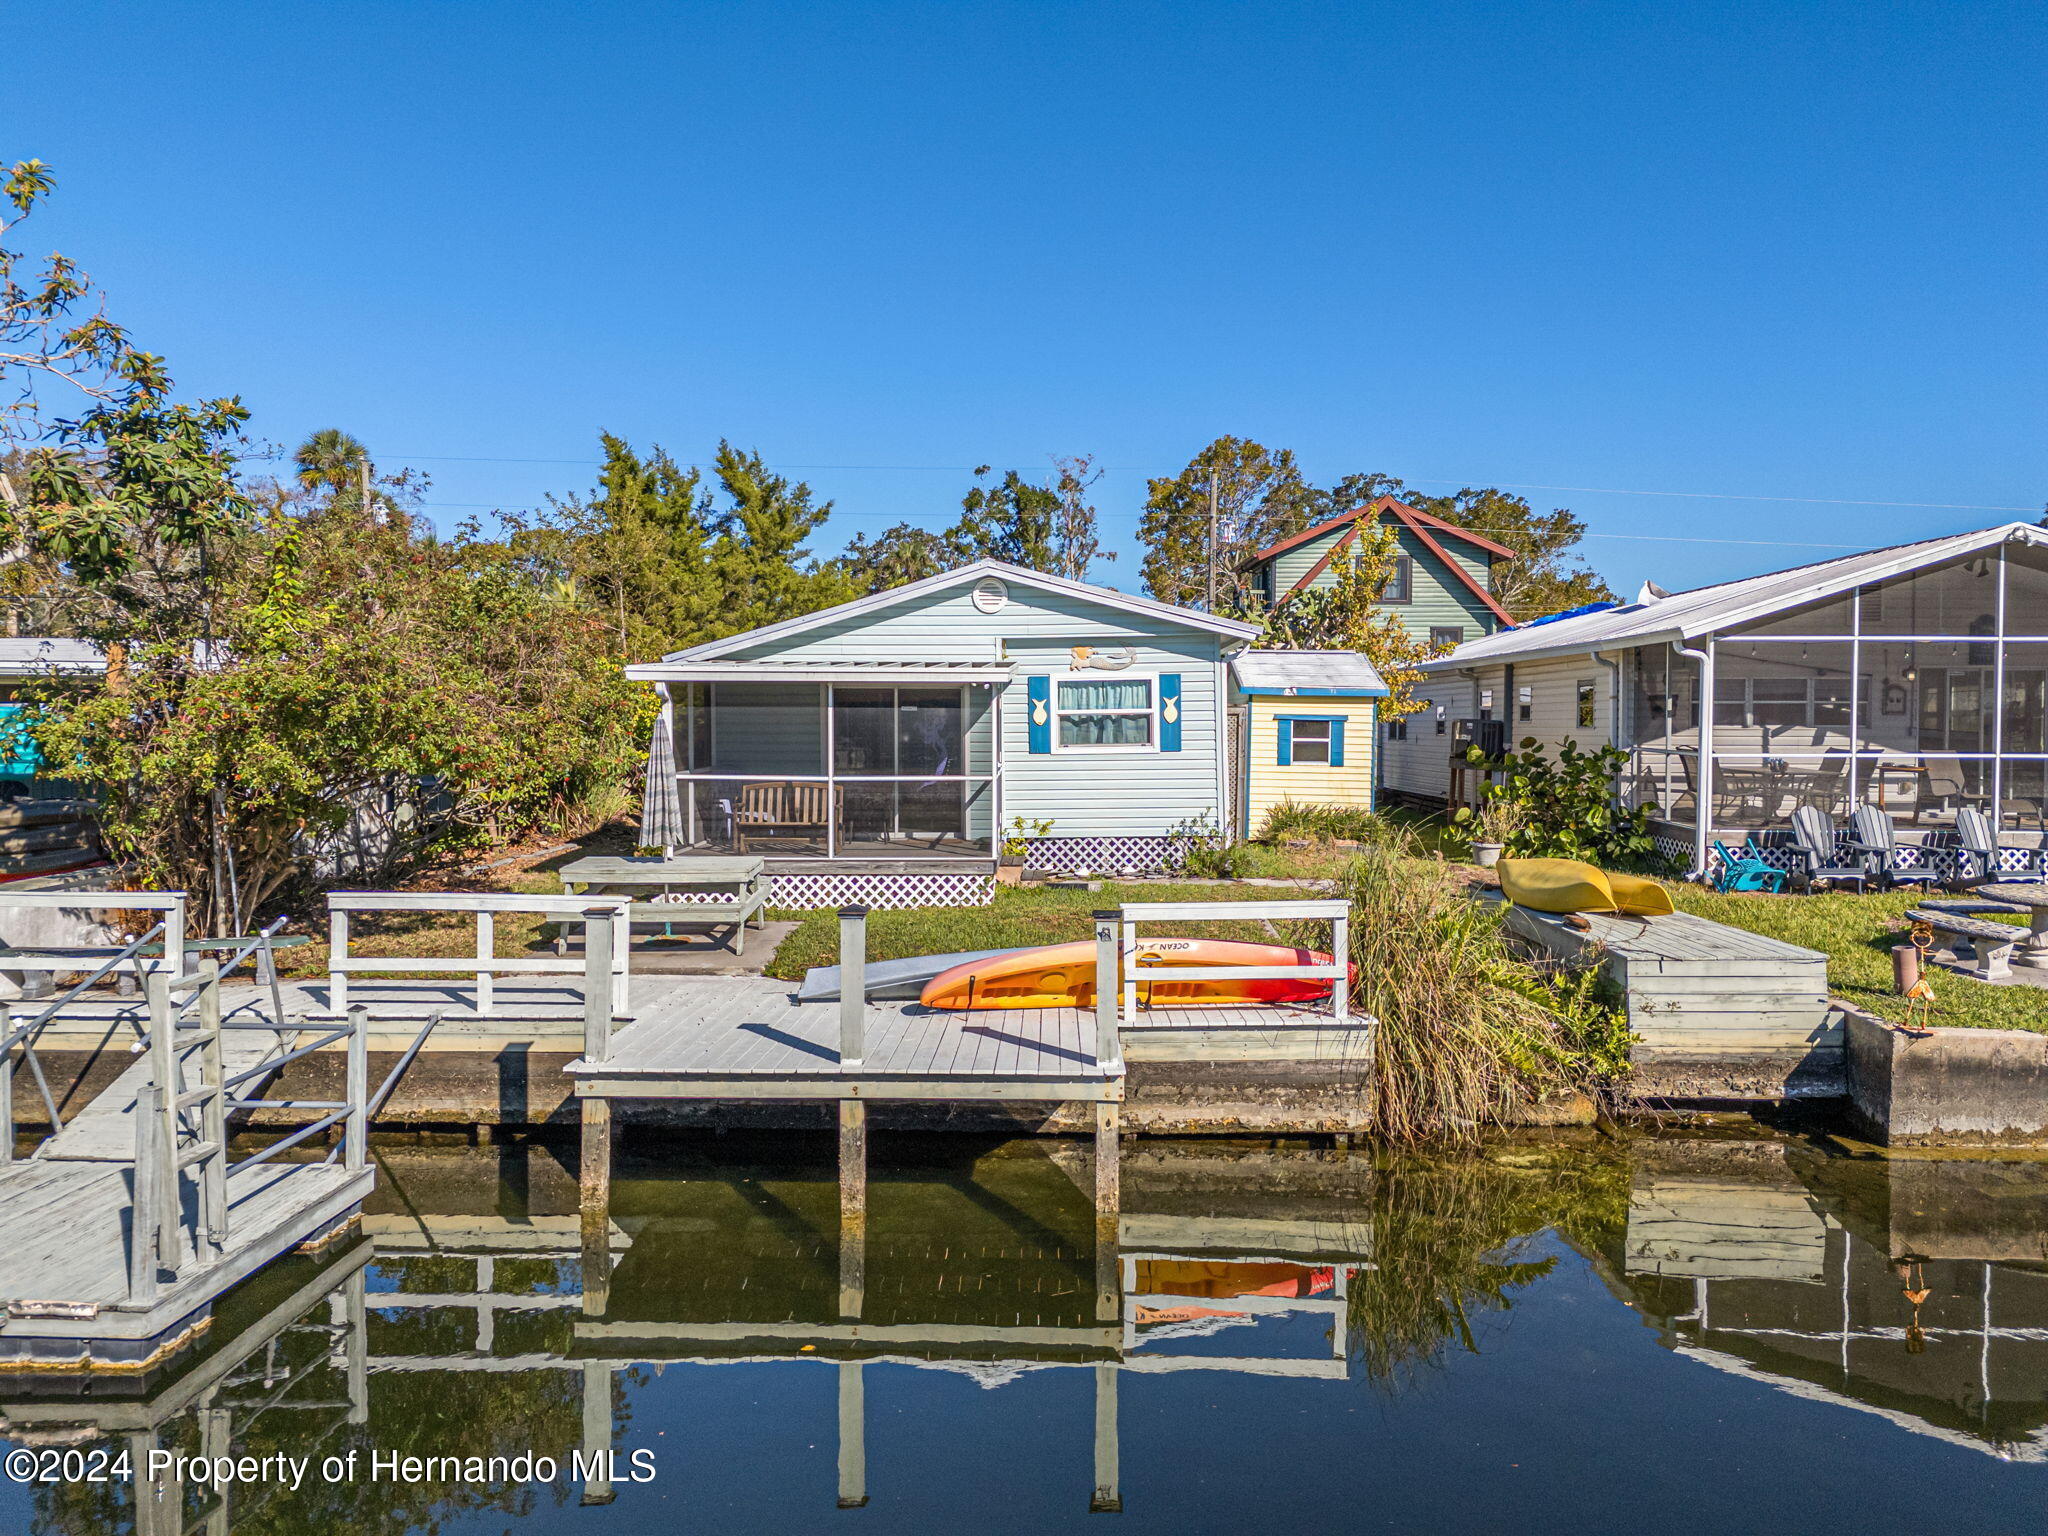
[[1016, 848], [1495, 826]]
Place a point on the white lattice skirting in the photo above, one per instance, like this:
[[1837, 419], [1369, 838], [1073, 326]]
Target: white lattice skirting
[[887, 893], [1106, 855]]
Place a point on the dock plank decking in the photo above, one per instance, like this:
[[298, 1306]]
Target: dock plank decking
[[1698, 989], [750, 1037]]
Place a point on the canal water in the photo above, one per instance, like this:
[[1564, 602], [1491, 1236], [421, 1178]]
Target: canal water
[[1718, 1332]]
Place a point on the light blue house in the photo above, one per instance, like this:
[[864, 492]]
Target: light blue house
[[884, 750]]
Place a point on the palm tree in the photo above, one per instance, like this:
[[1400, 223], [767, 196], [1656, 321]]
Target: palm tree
[[331, 460]]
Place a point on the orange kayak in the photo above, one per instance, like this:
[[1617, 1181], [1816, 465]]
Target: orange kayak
[[1063, 976]]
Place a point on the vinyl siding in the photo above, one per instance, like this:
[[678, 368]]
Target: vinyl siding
[[948, 627], [1137, 794], [1553, 703], [1421, 765], [1115, 794], [1304, 783], [1438, 597]]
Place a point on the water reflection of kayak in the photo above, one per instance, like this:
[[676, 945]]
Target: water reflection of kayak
[[1063, 976]]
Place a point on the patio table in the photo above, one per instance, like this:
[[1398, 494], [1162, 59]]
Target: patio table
[[711, 890], [2032, 954]]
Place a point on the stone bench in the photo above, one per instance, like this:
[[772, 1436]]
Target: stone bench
[[1991, 943]]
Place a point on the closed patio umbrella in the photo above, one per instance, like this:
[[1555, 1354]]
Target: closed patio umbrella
[[661, 806]]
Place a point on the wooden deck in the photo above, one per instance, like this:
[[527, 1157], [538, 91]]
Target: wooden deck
[[1699, 990], [64, 1266], [749, 1037]]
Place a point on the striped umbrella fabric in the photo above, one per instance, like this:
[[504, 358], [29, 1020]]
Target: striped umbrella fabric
[[661, 805]]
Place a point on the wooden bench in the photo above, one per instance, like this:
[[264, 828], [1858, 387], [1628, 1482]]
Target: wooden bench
[[691, 877], [1991, 943]]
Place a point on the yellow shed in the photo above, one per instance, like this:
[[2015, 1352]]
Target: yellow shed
[[1311, 728]]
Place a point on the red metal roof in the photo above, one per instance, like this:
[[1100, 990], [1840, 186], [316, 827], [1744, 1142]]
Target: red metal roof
[[1384, 504]]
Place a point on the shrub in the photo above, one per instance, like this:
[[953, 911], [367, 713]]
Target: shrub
[[1565, 809], [1292, 818]]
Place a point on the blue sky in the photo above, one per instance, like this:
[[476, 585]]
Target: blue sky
[[1777, 250]]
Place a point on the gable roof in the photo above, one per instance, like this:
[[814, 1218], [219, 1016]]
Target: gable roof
[[1417, 523], [1384, 504], [1686, 616], [967, 575]]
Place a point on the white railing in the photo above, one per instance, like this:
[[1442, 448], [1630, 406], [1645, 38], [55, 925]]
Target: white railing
[[1120, 949], [604, 919]]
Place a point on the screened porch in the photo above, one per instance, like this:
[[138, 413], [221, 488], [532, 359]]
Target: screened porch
[[876, 768], [1921, 695]]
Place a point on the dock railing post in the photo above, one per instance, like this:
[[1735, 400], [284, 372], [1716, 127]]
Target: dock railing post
[[213, 1116], [356, 1144], [1108, 1050], [163, 1065], [337, 959], [853, 984], [145, 1198], [1340, 946], [598, 1003]]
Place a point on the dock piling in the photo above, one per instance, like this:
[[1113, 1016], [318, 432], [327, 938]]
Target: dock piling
[[1108, 1177], [1108, 1497], [597, 1431], [853, 1207], [853, 1435], [853, 984]]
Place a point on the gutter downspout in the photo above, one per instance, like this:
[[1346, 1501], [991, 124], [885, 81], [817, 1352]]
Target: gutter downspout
[[1704, 780]]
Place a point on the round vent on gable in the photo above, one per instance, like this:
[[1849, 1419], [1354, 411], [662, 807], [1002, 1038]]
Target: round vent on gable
[[990, 594]]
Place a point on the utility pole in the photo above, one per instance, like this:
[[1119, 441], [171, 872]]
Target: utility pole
[[1212, 538], [364, 467]]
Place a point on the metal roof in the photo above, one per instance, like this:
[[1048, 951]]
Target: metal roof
[[1686, 616], [40, 655], [833, 670], [1307, 672], [967, 575]]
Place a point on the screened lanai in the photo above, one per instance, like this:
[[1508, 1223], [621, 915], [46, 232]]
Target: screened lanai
[[1920, 694], [847, 761], [1913, 678]]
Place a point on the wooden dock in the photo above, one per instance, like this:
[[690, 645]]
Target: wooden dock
[[1720, 1011], [126, 1222]]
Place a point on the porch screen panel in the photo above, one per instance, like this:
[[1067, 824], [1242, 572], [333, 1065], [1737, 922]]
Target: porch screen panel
[[2026, 591], [863, 730], [1958, 599], [930, 732]]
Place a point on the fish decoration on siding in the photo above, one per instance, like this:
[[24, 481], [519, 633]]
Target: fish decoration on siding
[[1085, 656]]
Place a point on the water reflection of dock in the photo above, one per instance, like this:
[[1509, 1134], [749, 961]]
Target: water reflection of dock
[[1795, 1275]]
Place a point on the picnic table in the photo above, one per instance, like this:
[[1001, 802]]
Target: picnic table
[[716, 891]]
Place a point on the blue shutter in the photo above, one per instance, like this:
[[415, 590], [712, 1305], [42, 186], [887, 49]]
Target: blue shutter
[[1038, 695], [1286, 732], [1336, 743], [1169, 711]]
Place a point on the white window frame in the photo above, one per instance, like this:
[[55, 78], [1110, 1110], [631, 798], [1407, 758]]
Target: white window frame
[[1095, 748], [1294, 725]]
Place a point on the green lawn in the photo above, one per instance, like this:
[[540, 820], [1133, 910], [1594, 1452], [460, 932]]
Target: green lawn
[[1857, 933], [1019, 916]]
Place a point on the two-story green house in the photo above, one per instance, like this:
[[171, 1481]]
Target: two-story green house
[[1443, 579]]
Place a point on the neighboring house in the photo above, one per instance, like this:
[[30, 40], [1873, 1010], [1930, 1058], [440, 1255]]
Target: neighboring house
[[881, 750], [1914, 678], [1443, 580], [1311, 727]]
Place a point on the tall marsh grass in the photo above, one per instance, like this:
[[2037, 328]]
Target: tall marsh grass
[[1470, 1033]]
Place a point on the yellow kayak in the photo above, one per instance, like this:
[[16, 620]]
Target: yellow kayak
[[1567, 885]]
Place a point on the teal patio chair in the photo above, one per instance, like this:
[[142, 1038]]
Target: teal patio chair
[[1746, 871]]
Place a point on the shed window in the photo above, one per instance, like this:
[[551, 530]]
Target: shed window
[[1112, 714], [1585, 715], [1311, 741]]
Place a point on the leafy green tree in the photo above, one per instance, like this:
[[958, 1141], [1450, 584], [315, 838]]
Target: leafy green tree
[[1042, 528], [758, 555], [1260, 496]]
